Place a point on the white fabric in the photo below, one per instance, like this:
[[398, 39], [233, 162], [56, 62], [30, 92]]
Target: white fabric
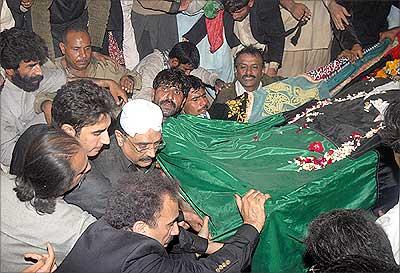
[[157, 61], [240, 89], [390, 223], [131, 54], [138, 116], [23, 230], [6, 18]]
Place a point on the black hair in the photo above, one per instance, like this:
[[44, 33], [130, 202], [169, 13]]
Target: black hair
[[340, 233], [74, 28], [81, 103], [17, 45], [47, 172], [251, 50], [195, 83], [391, 133], [186, 53], [172, 78], [139, 198], [234, 5], [360, 264]]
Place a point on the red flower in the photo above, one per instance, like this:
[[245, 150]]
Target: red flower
[[331, 152], [316, 147], [356, 135]]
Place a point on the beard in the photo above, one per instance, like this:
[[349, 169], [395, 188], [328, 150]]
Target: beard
[[168, 108], [28, 84]]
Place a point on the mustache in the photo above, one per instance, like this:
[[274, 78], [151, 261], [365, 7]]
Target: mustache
[[168, 101], [147, 158], [248, 76]]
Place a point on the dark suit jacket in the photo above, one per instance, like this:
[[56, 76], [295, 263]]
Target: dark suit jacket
[[101, 248], [266, 26]]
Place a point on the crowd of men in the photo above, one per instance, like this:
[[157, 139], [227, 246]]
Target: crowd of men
[[81, 125]]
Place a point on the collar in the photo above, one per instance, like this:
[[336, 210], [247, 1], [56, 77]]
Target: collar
[[90, 70], [240, 89]]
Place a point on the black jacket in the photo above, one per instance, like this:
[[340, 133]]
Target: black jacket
[[266, 26], [101, 248]]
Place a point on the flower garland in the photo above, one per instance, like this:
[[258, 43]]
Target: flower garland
[[311, 163], [391, 70]]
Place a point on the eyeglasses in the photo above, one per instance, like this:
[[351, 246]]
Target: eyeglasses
[[141, 148]]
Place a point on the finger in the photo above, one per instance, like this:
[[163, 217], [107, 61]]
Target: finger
[[33, 268], [238, 202], [255, 194], [124, 97], [184, 225], [250, 192], [345, 12], [340, 24], [33, 256], [205, 224], [50, 250], [344, 19]]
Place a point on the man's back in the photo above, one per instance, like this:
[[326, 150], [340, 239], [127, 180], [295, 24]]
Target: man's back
[[23, 230], [103, 248]]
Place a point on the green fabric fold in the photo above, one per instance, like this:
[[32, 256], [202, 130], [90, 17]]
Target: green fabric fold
[[215, 159]]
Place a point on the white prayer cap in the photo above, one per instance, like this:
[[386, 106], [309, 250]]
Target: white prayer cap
[[138, 116]]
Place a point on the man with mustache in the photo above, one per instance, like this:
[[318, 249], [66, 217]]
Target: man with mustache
[[249, 75], [196, 103], [142, 219], [79, 62], [183, 56], [133, 147], [171, 88], [22, 55], [136, 140]]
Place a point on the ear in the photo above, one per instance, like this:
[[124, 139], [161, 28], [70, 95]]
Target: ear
[[251, 3], [140, 227], [62, 47], [154, 95], [120, 137], [10, 72], [173, 62], [68, 129]]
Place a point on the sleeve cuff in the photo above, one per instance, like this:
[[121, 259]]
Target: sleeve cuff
[[249, 232], [190, 242]]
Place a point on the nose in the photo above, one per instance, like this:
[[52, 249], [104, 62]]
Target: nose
[[105, 138], [170, 94], [151, 152], [175, 229], [37, 70], [83, 53], [204, 102]]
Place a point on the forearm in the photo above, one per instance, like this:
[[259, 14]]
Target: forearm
[[287, 4], [136, 77]]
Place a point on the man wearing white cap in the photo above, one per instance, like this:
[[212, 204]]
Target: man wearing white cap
[[136, 140]]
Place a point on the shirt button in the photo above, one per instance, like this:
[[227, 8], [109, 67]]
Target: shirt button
[[228, 262]]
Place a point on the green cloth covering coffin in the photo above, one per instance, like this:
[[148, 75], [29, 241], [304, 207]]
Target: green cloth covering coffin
[[215, 159]]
